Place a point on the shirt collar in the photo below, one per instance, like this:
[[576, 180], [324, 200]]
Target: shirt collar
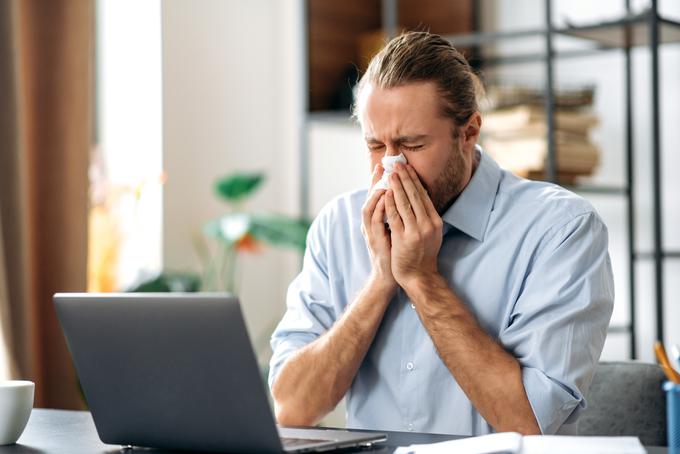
[[471, 211]]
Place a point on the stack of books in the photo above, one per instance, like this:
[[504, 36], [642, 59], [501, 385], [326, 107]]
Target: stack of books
[[514, 132]]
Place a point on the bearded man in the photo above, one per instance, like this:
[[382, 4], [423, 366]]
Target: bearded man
[[462, 299]]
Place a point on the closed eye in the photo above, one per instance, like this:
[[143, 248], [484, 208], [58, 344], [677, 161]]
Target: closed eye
[[412, 147]]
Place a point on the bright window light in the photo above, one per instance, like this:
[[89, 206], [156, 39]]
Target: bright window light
[[126, 172]]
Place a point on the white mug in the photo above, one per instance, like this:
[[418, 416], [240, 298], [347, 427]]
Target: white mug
[[16, 403]]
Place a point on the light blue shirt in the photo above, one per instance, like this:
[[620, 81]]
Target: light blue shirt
[[529, 259]]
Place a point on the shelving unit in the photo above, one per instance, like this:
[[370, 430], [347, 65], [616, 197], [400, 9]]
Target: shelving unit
[[646, 29]]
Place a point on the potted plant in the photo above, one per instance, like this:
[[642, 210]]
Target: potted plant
[[235, 233]]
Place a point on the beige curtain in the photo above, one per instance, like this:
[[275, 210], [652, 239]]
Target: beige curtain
[[45, 136]]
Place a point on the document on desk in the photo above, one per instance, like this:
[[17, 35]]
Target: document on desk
[[514, 443]]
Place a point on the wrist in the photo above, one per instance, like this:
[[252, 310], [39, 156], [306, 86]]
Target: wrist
[[432, 294], [382, 285], [423, 284]]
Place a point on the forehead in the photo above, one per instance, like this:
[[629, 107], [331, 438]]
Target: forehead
[[399, 110]]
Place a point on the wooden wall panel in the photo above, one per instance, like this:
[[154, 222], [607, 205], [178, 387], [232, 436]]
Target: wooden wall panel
[[336, 26], [437, 16]]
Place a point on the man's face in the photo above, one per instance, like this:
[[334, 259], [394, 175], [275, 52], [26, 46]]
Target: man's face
[[408, 119]]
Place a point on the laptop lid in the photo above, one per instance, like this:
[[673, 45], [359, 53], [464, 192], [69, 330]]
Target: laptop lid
[[176, 371], [168, 370]]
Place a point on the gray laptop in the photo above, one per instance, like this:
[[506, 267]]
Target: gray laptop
[[177, 371]]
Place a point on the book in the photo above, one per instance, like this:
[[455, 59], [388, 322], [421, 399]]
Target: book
[[522, 116], [525, 155], [535, 131], [515, 443], [562, 178], [503, 95]]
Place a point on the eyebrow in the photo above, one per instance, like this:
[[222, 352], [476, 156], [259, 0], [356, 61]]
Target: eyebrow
[[400, 139]]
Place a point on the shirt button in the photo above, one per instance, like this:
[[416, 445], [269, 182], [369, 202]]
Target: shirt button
[[413, 306], [409, 365], [410, 427]]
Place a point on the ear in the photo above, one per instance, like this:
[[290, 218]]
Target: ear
[[472, 129]]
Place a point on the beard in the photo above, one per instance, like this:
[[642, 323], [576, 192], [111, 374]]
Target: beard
[[447, 186]]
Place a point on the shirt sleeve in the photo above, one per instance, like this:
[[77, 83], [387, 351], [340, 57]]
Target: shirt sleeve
[[559, 322], [309, 311]]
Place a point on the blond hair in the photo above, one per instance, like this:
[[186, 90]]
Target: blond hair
[[425, 57]]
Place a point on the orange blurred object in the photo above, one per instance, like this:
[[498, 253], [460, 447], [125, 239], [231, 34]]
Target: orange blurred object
[[103, 245], [671, 373], [248, 243]]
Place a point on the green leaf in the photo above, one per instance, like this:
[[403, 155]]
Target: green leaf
[[273, 229], [238, 185], [168, 281], [280, 230]]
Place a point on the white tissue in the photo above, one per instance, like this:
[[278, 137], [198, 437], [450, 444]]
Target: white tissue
[[388, 163]]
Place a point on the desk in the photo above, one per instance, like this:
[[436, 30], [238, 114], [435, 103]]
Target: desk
[[73, 432]]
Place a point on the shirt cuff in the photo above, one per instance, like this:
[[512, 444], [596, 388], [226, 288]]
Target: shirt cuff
[[551, 402]]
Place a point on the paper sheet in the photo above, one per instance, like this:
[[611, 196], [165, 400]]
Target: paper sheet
[[514, 443], [555, 444], [506, 442]]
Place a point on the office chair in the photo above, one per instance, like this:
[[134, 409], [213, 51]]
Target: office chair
[[626, 398]]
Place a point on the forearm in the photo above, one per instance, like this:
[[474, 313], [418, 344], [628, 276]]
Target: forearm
[[314, 379], [489, 376]]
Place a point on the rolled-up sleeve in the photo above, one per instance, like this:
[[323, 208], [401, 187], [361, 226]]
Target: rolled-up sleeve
[[558, 324], [309, 311]]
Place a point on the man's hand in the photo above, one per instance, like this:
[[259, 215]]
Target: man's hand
[[376, 235], [314, 379], [415, 225]]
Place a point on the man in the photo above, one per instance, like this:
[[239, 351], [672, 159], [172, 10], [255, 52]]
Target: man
[[484, 304]]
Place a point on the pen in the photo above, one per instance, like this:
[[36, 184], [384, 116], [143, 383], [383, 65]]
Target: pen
[[660, 352]]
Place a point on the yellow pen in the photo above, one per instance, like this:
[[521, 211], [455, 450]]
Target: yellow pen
[[661, 356]]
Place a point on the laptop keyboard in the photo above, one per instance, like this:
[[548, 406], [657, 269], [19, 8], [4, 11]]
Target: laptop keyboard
[[295, 442]]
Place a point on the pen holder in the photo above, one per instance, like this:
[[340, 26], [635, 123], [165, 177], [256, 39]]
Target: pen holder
[[673, 416]]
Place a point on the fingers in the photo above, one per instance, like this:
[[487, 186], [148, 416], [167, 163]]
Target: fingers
[[377, 220], [414, 195], [370, 206], [393, 218], [401, 200], [424, 196]]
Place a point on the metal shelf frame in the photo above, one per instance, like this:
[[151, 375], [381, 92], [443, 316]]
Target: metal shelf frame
[[623, 33]]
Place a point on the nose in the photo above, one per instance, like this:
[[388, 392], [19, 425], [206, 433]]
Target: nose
[[391, 150]]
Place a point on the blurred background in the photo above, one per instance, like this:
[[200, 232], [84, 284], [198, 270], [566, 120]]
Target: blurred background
[[167, 145]]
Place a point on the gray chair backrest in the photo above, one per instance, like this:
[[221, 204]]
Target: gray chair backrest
[[626, 398]]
